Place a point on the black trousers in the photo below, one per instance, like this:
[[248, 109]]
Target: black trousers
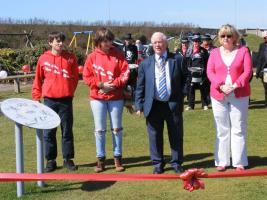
[[63, 107], [204, 92], [265, 92]]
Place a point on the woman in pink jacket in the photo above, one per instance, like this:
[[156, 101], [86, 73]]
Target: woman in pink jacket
[[106, 73], [229, 69]]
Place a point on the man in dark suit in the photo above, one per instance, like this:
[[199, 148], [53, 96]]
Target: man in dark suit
[[262, 64], [159, 96]]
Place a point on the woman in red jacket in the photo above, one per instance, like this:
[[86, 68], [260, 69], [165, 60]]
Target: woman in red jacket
[[229, 70], [106, 73]]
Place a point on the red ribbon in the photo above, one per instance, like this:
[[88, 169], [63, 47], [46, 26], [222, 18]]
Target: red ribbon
[[191, 179]]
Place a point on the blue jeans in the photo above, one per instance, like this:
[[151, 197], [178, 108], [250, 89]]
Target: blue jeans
[[100, 108], [63, 107]]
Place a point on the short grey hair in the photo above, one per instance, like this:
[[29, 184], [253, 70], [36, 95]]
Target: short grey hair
[[161, 35]]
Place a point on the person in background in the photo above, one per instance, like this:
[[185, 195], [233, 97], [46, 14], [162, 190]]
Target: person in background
[[261, 71], [184, 51], [159, 96], [129, 49], [106, 73], [56, 80], [208, 45], [229, 70], [197, 65], [140, 51]]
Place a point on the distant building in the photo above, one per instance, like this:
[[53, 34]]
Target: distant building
[[258, 32]]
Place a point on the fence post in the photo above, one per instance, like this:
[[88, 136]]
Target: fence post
[[17, 85]]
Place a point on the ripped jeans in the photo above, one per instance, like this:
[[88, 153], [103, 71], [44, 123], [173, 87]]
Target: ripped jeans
[[100, 108]]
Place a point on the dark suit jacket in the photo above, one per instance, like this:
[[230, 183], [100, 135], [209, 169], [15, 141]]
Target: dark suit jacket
[[261, 61], [145, 88]]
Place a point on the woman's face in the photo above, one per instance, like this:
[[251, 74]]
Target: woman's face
[[227, 39], [105, 45]]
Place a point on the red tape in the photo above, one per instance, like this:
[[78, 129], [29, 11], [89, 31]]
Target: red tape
[[190, 177], [85, 177]]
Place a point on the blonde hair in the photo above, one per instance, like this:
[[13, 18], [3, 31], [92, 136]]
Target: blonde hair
[[228, 29]]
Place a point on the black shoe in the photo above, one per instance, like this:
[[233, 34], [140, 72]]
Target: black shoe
[[178, 169], [51, 165], [69, 164], [158, 170]]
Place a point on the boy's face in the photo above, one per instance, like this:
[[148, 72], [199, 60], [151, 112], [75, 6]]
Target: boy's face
[[56, 44]]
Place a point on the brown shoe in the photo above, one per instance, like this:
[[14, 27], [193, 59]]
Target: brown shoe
[[100, 165], [118, 164]]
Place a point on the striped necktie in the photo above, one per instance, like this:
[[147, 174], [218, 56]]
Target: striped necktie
[[162, 90]]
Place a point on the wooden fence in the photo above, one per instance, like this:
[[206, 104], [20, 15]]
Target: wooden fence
[[17, 80]]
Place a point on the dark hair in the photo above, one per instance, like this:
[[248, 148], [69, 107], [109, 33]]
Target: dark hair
[[103, 34], [56, 35]]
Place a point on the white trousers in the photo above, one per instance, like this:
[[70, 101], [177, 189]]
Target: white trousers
[[230, 117]]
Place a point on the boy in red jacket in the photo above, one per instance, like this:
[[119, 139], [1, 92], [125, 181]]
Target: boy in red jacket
[[56, 80]]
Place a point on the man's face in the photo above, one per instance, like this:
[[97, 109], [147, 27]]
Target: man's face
[[196, 43], [56, 44], [128, 42], [159, 45]]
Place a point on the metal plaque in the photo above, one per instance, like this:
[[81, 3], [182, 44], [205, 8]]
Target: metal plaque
[[30, 113]]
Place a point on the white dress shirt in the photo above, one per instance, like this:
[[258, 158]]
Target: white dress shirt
[[158, 74]]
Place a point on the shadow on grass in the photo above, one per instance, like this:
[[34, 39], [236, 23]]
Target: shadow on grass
[[96, 185], [49, 188], [197, 156], [84, 186], [257, 104], [256, 161], [144, 161]]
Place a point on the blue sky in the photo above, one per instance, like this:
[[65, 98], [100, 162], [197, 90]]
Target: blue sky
[[203, 13]]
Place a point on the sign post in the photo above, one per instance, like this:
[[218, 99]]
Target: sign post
[[25, 112]]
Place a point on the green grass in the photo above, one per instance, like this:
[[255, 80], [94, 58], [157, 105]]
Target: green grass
[[199, 138]]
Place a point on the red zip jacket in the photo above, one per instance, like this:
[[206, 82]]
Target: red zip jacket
[[56, 76], [102, 67]]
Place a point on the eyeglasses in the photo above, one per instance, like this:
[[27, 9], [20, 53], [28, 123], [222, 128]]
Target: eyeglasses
[[228, 36]]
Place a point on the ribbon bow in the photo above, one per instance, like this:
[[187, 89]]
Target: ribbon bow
[[191, 179]]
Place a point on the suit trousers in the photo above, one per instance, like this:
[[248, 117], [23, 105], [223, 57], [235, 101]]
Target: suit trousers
[[230, 117], [159, 113], [265, 93]]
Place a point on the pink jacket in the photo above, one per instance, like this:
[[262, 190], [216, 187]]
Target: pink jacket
[[240, 72]]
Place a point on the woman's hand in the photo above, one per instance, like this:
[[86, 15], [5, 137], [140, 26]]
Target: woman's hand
[[107, 87], [227, 89]]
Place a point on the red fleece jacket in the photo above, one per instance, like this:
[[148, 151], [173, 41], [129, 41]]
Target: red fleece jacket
[[56, 76], [102, 67]]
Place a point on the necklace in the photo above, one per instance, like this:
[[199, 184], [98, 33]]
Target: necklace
[[228, 51]]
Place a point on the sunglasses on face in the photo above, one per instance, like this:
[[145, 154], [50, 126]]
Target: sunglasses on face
[[228, 36]]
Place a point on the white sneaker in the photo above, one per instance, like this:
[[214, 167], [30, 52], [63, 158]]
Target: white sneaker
[[205, 108], [188, 108]]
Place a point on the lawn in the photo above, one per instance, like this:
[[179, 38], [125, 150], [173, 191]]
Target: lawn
[[199, 138]]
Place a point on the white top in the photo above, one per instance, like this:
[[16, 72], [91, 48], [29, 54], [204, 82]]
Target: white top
[[30, 113], [228, 59]]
